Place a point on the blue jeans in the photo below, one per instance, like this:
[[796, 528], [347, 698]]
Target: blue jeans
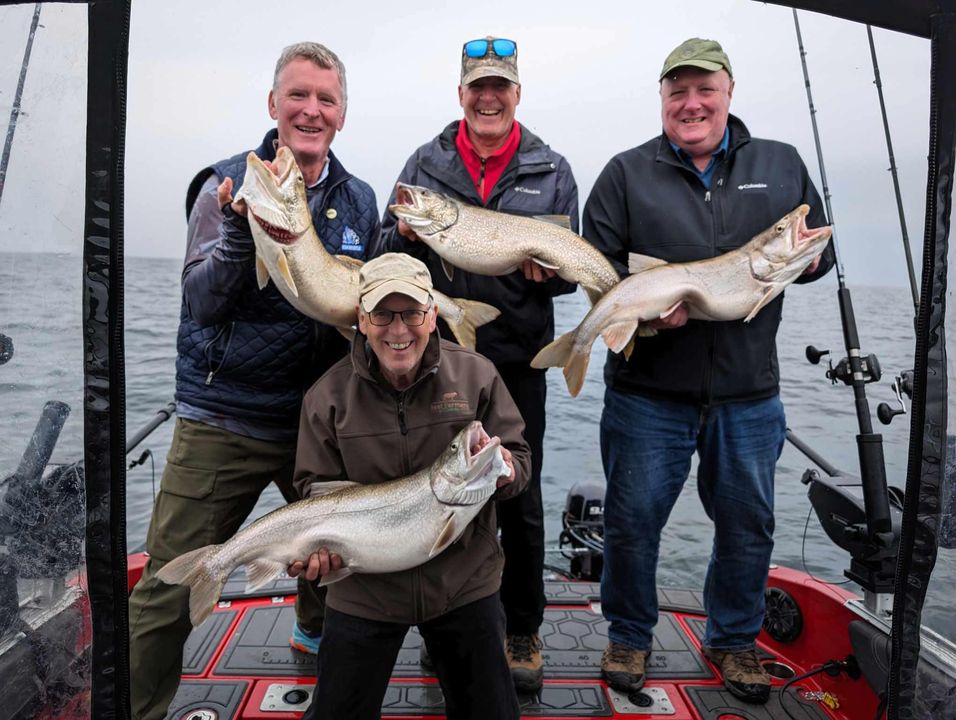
[[647, 446]]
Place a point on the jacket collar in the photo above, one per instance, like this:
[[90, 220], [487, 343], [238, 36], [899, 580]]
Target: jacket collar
[[267, 151], [739, 136]]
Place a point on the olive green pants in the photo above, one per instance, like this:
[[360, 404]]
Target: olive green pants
[[211, 483]]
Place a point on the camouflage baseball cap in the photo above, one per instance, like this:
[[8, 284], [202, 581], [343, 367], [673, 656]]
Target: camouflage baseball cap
[[393, 273], [491, 64], [699, 53]]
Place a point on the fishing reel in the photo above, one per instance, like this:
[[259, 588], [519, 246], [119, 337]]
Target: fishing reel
[[841, 372], [582, 536], [902, 385]]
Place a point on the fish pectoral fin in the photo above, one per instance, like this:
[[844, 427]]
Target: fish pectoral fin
[[559, 220], [333, 576], [767, 297], [349, 261], [262, 272], [446, 537], [448, 268], [261, 572], [618, 335], [287, 274], [637, 263], [318, 489], [645, 331], [545, 264], [671, 310]]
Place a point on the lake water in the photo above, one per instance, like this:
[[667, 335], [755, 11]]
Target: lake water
[[40, 309]]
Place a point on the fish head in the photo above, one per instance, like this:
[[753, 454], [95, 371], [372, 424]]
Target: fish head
[[276, 200], [784, 250], [426, 211], [467, 471]]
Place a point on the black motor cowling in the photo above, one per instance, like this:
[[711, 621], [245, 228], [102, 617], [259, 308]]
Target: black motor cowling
[[583, 523]]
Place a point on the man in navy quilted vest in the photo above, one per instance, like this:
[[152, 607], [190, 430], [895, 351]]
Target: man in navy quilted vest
[[245, 359]]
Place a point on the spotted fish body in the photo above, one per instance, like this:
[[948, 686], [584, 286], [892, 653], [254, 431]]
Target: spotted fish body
[[375, 528], [732, 286], [318, 284], [486, 242]]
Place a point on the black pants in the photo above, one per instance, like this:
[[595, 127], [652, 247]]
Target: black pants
[[521, 519], [466, 646]]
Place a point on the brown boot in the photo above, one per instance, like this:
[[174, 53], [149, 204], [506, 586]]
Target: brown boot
[[622, 667], [743, 674], [524, 659]]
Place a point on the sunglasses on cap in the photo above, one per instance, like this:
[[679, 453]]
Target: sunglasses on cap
[[499, 46]]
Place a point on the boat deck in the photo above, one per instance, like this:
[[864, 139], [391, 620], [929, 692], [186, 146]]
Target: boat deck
[[238, 664]]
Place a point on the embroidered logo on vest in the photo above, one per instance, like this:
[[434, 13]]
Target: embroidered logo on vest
[[351, 242]]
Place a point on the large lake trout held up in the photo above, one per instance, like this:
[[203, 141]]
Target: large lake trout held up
[[375, 528], [318, 284], [486, 242], [731, 286]]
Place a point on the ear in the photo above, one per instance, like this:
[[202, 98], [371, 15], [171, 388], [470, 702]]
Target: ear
[[432, 318], [517, 93], [362, 320], [461, 96], [730, 90], [273, 111]]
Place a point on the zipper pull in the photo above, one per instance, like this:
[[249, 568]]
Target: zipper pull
[[401, 416], [209, 377], [707, 196]]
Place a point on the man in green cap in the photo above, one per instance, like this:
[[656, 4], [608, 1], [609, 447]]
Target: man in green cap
[[701, 188]]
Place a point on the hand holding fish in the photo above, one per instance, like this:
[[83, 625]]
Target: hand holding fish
[[319, 564], [536, 273]]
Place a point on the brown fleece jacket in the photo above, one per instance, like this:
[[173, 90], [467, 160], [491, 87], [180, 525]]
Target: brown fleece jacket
[[357, 427]]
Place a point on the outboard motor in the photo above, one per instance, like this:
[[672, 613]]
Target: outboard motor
[[583, 523]]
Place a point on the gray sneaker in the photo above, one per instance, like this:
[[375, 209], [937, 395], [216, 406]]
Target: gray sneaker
[[743, 674], [622, 667]]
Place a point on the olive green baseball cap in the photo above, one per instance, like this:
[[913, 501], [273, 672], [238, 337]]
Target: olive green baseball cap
[[393, 273], [697, 52]]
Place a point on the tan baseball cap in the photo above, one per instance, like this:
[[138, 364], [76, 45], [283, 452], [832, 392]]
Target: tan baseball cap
[[699, 53], [393, 273], [490, 64]]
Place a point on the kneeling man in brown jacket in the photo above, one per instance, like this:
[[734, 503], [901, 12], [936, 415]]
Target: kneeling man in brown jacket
[[387, 411]]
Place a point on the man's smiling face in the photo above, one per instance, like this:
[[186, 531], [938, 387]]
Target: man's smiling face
[[695, 105], [489, 104], [309, 109]]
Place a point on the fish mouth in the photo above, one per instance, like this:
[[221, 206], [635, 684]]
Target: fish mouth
[[276, 196], [804, 240], [420, 208], [479, 461]]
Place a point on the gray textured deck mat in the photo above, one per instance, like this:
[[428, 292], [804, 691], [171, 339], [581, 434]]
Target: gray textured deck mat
[[204, 640], [573, 642], [552, 701], [714, 702], [220, 696]]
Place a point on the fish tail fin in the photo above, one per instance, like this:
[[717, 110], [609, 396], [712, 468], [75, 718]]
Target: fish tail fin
[[474, 315], [563, 353], [190, 569]]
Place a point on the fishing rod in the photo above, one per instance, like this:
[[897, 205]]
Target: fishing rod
[[896, 180], [855, 370], [15, 110]]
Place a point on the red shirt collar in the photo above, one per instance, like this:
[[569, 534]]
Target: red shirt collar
[[485, 175]]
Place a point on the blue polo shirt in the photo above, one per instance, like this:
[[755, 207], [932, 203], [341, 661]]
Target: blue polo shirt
[[707, 174]]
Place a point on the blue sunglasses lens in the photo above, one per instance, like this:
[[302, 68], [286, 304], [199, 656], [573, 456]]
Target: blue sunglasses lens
[[500, 47], [504, 48], [476, 48]]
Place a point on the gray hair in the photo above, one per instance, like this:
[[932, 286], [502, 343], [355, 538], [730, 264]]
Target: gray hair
[[320, 55]]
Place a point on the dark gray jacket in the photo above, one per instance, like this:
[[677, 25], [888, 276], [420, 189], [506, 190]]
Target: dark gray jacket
[[646, 201], [537, 181]]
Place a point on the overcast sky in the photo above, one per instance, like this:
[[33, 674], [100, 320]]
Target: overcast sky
[[199, 75]]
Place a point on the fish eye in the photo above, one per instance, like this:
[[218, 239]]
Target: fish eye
[[454, 446], [781, 227]]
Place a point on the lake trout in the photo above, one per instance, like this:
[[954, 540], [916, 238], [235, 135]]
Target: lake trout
[[486, 242], [376, 528], [318, 284], [731, 286]]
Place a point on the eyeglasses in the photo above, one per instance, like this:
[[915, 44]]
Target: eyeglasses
[[412, 318], [500, 47]]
